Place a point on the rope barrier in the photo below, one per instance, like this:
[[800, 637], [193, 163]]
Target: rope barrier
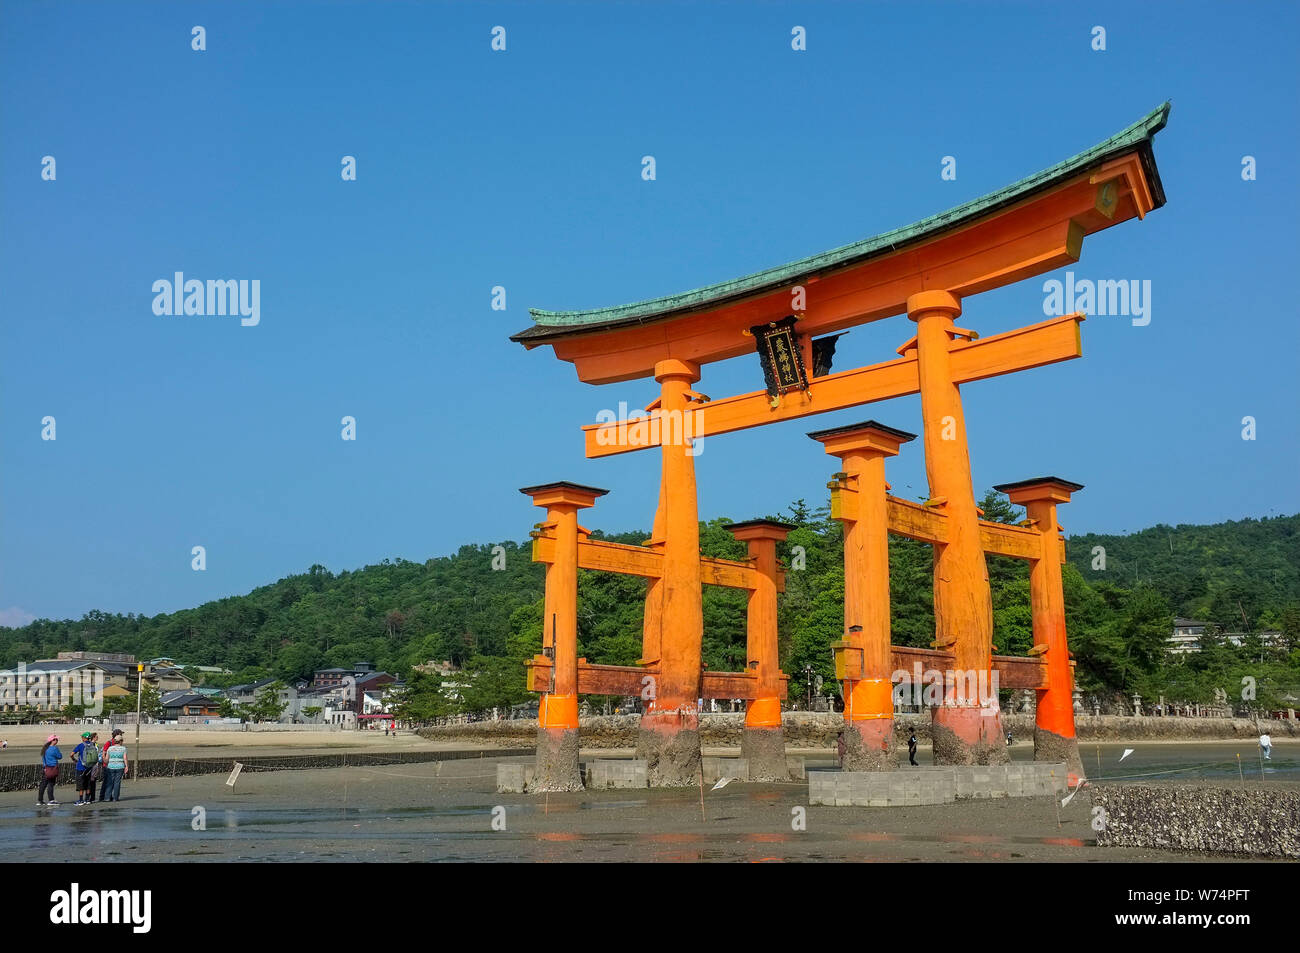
[[1195, 767], [427, 777]]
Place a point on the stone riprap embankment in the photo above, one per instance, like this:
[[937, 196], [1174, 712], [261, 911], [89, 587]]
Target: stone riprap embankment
[[1245, 819], [821, 729]]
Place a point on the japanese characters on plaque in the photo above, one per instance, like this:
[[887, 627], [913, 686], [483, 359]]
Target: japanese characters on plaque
[[782, 358]]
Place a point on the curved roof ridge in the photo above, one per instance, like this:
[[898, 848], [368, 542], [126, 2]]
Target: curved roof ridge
[[1137, 135]]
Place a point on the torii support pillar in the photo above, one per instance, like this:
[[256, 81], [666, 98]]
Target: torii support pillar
[[762, 743], [1054, 737], [652, 622], [963, 730], [557, 711], [863, 658], [669, 738]]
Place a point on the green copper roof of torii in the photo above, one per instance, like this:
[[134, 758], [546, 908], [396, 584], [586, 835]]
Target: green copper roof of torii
[[550, 324]]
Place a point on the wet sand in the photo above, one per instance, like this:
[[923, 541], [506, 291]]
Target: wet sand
[[445, 812]]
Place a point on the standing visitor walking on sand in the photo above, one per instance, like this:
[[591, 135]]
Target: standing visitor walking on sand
[[116, 767], [911, 749], [50, 758], [96, 773], [1266, 745], [85, 756]]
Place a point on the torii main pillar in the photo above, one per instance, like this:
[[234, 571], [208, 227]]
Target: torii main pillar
[[762, 743], [669, 737], [557, 712], [963, 730], [1054, 736]]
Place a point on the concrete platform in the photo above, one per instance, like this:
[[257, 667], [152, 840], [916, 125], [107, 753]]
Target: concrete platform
[[514, 778], [717, 768], [934, 785], [621, 773]]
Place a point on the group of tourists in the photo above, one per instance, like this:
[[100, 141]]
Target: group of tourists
[[97, 766]]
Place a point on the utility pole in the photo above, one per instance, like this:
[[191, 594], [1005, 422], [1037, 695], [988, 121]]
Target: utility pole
[[139, 695]]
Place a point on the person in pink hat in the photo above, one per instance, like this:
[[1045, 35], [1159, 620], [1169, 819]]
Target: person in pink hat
[[50, 758]]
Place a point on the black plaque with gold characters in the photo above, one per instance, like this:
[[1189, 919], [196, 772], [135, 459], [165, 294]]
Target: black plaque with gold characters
[[778, 349]]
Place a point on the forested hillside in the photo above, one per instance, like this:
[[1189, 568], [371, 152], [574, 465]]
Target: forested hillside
[[1244, 575], [1212, 573]]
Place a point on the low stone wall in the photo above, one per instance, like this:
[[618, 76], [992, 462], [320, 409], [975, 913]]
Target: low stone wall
[[514, 777], [182, 726], [21, 777], [821, 729], [249, 726], [936, 785], [715, 769], [1128, 728], [621, 773], [1252, 819]]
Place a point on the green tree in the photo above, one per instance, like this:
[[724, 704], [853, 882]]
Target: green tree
[[423, 699], [297, 660], [266, 705], [491, 683], [151, 702]]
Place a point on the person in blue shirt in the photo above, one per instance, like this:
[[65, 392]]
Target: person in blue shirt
[[50, 758], [87, 756]]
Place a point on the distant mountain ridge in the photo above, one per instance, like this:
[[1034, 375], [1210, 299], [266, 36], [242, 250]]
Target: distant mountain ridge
[[1204, 571]]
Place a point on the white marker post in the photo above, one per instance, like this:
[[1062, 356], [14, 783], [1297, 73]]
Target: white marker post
[[230, 781]]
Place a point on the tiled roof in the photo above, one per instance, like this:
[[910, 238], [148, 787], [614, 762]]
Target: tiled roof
[[548, 324]]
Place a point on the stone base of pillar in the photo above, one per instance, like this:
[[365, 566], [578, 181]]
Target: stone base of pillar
[[764, 749], [669, 743], [557, 761], [1049, 746], [967, 735], [868, 745]]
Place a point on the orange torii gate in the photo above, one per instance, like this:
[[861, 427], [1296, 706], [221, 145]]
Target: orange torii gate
[[924, 270]]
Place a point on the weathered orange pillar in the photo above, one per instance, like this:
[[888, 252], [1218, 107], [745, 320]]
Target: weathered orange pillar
[[669, 738], [863, 658], [762, 743], [964, 730], [1054, 736], [653, 618], [557, 714]]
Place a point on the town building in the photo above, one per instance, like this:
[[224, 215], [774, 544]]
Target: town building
[[190, 706], [247, 693]]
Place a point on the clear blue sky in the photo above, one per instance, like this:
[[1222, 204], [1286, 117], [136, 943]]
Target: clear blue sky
[[522, 169]]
